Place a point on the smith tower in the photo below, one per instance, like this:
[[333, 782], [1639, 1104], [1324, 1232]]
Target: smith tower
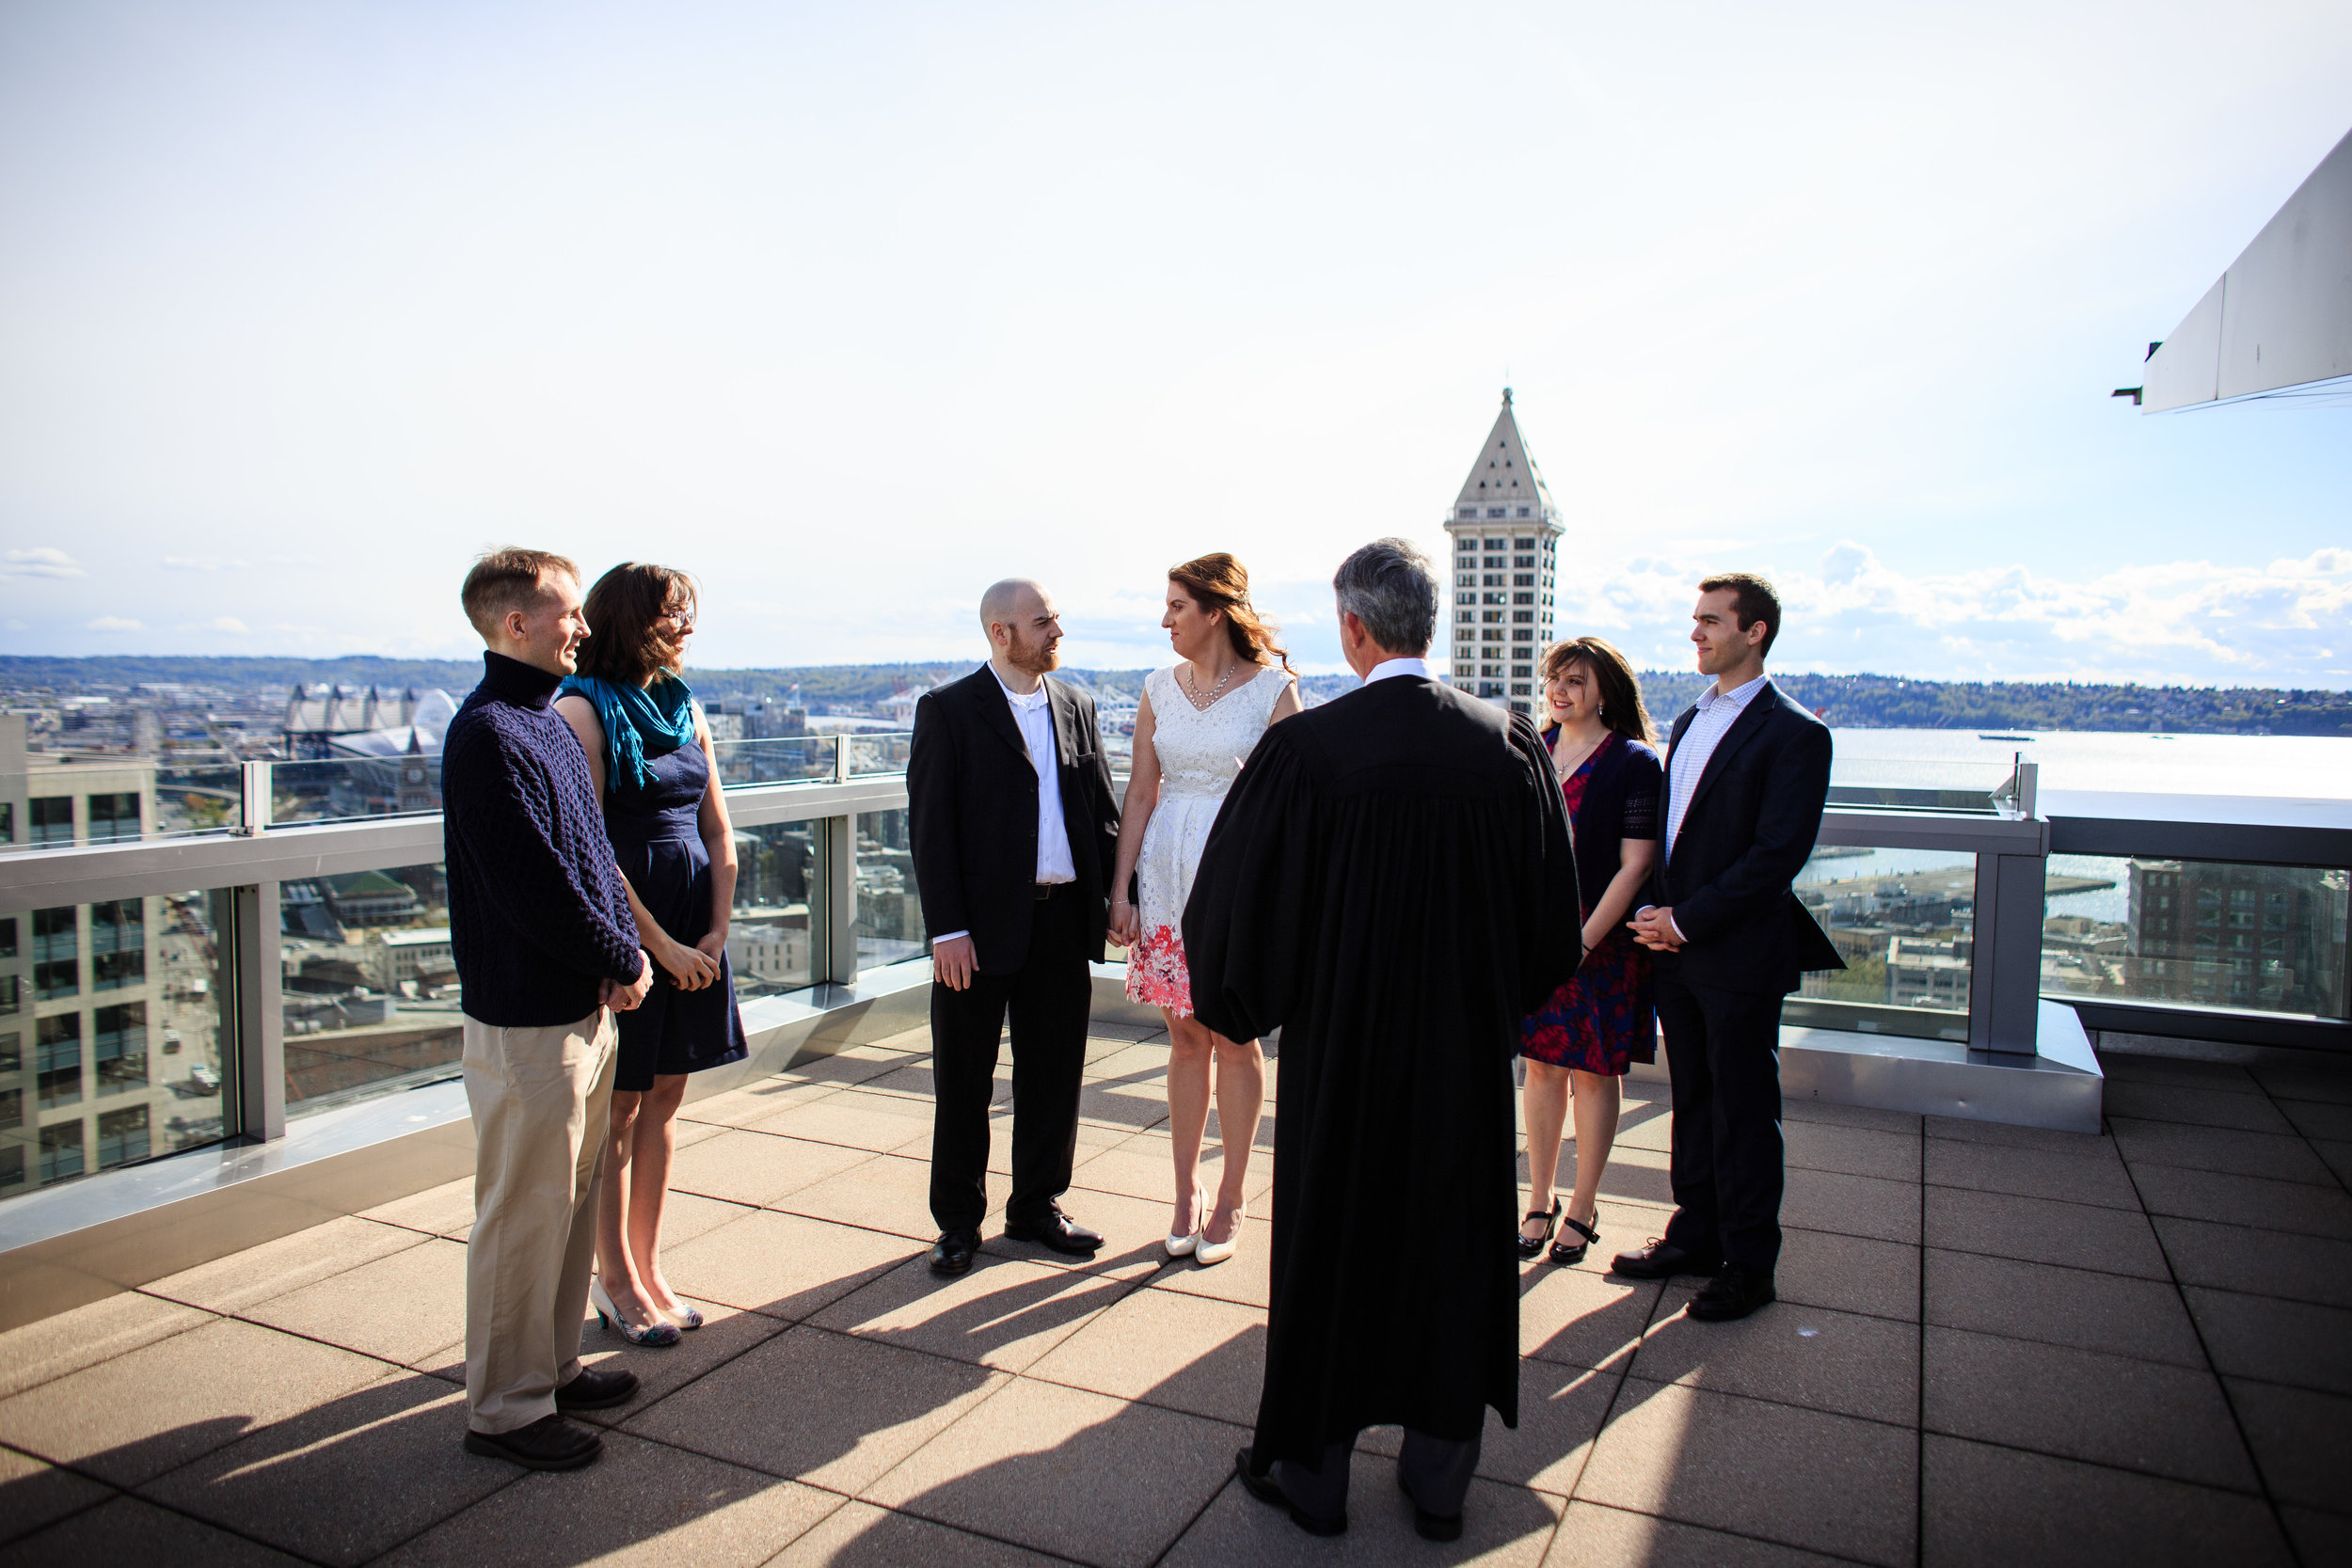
[[1505, 531]]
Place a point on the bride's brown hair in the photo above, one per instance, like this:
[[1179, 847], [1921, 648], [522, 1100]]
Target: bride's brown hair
[[1218, 582]]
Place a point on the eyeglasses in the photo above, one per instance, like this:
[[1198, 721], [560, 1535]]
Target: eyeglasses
[[682, 619]]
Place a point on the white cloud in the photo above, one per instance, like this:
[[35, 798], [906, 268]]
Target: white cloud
[[219, 623], [112, 623], [200, 563], [41, 561]]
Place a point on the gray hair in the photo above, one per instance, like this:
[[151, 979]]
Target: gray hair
[[1391, 587]]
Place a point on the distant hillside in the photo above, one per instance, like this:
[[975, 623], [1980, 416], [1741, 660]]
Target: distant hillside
[[1875, 701]]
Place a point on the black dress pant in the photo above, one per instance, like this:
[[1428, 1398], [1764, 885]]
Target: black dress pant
[[1437, 1473], [1049, 997], [1723, 1052]]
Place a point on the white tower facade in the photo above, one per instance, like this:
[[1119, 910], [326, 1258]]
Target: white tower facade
[[1506, 531]]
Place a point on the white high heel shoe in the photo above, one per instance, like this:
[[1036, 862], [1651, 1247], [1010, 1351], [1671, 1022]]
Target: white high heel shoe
[[1209, 1254], [1181, 1246]]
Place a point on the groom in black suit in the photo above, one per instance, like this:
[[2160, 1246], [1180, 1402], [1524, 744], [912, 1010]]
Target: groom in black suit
[[1013, 829], [1747, 774]]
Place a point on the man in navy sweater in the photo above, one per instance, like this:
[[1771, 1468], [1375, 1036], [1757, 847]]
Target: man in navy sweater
[[546, 947]]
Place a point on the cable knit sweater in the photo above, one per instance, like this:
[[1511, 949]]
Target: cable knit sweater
[[537, 913]]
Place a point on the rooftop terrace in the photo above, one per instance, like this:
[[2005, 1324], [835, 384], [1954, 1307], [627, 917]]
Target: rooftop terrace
[[1995, 1345]]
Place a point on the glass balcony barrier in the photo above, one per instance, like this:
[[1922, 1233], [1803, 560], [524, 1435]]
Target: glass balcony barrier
[[775, 936], [2197, 934], [1905, 921], [889, 925], [1919, 784], [111, 799], [794, 759], [877, 753], [368, 988]]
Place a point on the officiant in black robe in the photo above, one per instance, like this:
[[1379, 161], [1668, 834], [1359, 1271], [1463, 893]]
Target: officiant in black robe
[[1390, 884]]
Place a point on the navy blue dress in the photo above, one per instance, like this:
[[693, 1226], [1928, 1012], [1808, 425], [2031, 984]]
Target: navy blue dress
[[657, 839]]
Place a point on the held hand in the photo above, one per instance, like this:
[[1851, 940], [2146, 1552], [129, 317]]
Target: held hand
[[1653, 927], [952, 962], [622, 999], [689, 967], [713, 947], [1123, 923]]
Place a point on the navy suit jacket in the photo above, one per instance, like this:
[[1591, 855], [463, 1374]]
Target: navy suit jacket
[[1747, 831]]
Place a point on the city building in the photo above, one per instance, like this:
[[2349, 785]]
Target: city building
[[1504, 530], [2239, 936]]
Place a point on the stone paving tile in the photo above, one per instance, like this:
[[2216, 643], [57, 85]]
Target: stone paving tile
[[661, 1370], [857, 1064], [855, 1118], [859, 1535], [2171, 1143], [1124, 1480], [243, 1279], [2321, 1537], [1866, 1116], [1853, 1205], [1138, 1061], [1581, 1318], [1004, 1314], [442, 1211], [1632, 1175], [828, 1409], [1646, 1126], [1134, 1231], [2338, 1157], [645, 1504], [739, 1166], [2088, 1310], [127, 1530], [2135, 1414], [886, 1192], [920, 1081], [1982, 1504], [1854, 1151], [1560, 1411], [2303, 1441], [2325, 1081], [2099, 1179], [1592, 1536], [2138, 1068], [34, 1493], [783, 1265], [1801, 1355], [2039, 1231], [401, 1308], [391, 1455], [1141, 1167], [1134, 1109], [1803, 1478], [742, 1106], [2267, 1262], [2253, 1202], [2318, 1118], [1502, 1526], [1245, 1277], [1851, 1273], [110, 1326], [2294, 1342], [686, 1215], [139, 1415], [1189, 1353], [1962, 1129], [2252, 1112]]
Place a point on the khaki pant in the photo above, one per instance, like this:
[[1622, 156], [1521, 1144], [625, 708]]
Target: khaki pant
[[540, 1100]]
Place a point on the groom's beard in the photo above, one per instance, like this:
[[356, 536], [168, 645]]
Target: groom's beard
[[1037, 658]]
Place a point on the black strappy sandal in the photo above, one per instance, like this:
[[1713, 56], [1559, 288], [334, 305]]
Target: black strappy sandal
[[1530, 1250], [1564, 1254]]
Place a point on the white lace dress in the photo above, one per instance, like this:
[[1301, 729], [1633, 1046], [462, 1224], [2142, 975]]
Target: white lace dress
[[1200, 754]]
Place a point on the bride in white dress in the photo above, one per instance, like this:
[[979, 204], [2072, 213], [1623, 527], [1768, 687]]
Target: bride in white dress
[[1197, 721]]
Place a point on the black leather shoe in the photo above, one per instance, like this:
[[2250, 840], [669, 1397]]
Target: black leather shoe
[[1661, 1260], [1428, 1525], [1269, 1491], [597, 1388], [549, 1443], [952, 1253], [1058, 1233], [1734, 1293]]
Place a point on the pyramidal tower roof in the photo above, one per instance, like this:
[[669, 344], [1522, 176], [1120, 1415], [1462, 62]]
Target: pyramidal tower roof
[[1505, 475]]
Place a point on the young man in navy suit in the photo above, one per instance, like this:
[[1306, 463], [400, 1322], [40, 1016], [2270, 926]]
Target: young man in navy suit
[[1746, 778]]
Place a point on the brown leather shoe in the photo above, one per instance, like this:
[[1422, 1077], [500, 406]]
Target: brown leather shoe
[[549, 1443], [1661, 1260]]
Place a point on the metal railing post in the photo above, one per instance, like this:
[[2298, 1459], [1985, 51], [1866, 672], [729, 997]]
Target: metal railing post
[[253, 798], [260, 1013], [841, 899]]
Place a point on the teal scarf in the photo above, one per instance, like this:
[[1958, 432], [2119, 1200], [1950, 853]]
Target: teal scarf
[[639, 721]]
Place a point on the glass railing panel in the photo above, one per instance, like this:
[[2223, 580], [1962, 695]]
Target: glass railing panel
[[343, 789], [889, 926], [1916, 783], [370, 995], [1904, 922], [202, 798], [2263, 939], [115, 1055], [788, 760], [776, 930], [88, 800], [879, 753]]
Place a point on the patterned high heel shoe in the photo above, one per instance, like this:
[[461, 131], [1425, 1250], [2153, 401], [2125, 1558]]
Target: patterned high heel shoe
[[656, 1335], [686, 1318], [1181, 1246]]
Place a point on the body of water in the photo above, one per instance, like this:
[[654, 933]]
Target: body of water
[[2308, 767]]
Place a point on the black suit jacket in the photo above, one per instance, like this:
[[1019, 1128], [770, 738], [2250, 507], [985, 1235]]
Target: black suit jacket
[[1748, 830], [972, 816]]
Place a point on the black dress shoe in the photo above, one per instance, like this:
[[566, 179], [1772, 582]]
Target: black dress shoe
[[597, 1388], [1734, 1293], [549, 1443], [1661, 1260], [1269, 1491], [1428, 1525], [1058, 1233], [952, 1253]]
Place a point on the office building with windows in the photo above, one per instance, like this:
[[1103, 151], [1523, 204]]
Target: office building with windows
[[1505, 532]]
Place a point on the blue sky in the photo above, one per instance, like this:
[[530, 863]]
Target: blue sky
[[851, 310]]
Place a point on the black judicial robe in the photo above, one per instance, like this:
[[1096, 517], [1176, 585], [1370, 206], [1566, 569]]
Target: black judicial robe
[[1391, 883]]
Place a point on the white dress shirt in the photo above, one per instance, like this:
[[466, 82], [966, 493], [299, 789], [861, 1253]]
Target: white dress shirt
[[1034, 716], [1687, 764], [1388, 667]]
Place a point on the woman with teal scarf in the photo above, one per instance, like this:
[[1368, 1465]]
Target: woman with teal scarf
[[649, 751]]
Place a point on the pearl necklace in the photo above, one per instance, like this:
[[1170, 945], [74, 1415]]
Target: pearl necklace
[[1201, 704]]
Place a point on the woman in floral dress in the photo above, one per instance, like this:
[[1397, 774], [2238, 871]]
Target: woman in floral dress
[[1197, 722]]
